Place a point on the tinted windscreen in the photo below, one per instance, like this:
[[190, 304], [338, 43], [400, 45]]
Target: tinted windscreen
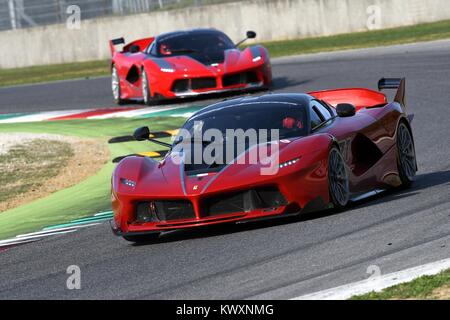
[[206, 47], [227, 132], [288, 118]]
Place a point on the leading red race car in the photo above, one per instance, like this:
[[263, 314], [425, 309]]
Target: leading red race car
[[334, 146], [186, 63]]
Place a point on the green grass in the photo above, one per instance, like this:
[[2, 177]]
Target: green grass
[[91, 195], [25, 166], [37, 74], [423, 32], [421, 288]]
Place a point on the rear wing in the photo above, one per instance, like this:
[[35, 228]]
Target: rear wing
[[398, 84], [365, 98], [139, 45]]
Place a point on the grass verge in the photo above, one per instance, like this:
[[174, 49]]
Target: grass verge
[[435, 287], [91, 195], [423, 32]]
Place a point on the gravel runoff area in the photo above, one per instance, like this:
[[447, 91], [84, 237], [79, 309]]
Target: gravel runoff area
[[29, 160]]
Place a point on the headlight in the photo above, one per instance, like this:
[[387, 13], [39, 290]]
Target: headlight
[[169, 70], [288, 163], [127, 182]]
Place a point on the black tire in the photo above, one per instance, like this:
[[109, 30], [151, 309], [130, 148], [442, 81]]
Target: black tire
[[115, 86], [144, 238], [406, 156], [146, 92], [338, 184]]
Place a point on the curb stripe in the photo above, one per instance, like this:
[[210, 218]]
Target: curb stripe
[[11, 115], [41, 116], [89, 113], [105, 113]]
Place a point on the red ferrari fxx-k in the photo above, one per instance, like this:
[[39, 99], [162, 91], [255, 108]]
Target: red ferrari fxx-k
[[333, 147], [186, 63]]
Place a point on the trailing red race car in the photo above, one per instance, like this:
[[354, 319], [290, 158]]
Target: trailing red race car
[[186, 63], [334, 146]]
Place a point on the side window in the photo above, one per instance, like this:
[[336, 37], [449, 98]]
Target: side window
[[152, 49], [322, 110], [315, 118]]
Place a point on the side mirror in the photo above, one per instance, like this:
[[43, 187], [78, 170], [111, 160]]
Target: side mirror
[[141, 134], [345, 110], [251, 34], [134, 49]]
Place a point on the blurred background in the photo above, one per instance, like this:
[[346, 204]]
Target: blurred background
[[17, 14]]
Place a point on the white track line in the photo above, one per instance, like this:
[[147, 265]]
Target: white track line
[[51, 231], [29, 238], [106, 213], [41, 116], [378, 283]]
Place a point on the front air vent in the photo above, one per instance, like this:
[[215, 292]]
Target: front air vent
[[243, 201], [239, 79], [164, 210], [203, 83], [180, 86]]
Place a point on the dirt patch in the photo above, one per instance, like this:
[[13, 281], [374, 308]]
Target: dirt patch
[[442, 293], [33, 166]]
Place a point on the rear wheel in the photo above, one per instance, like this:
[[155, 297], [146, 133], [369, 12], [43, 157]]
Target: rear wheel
[[146, 93], [142, 238], [406, 156], [115, 86], [338, 179]]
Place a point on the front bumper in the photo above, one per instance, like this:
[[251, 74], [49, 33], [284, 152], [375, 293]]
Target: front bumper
[[179, 85], [288, 211], [191, 93]]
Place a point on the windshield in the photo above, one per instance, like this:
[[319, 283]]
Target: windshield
[[194, 43], [288, 119], [218, 135]]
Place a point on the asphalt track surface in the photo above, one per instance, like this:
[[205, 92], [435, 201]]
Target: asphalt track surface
[[281, 259]]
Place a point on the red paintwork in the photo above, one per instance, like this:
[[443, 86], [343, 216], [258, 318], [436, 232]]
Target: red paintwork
[[360, 98], [301, 183], [236, 61]]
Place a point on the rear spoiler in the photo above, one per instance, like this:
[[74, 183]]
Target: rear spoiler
[[141, 43], [115, 42], [394, 83]]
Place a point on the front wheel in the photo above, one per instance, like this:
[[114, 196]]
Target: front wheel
[[146, 94], [338, 179], [115, 86], [406, 156]]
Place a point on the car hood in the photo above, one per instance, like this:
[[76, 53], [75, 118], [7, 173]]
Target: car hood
[[219, 63], [168, 178]]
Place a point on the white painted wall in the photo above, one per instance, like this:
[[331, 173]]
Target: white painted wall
[[271, 19]]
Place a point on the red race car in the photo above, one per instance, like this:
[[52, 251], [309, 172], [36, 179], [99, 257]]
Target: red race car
[[186, 63], [332, 147]]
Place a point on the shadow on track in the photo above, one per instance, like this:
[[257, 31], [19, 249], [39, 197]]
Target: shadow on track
[[279, 83], [422, 182]]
